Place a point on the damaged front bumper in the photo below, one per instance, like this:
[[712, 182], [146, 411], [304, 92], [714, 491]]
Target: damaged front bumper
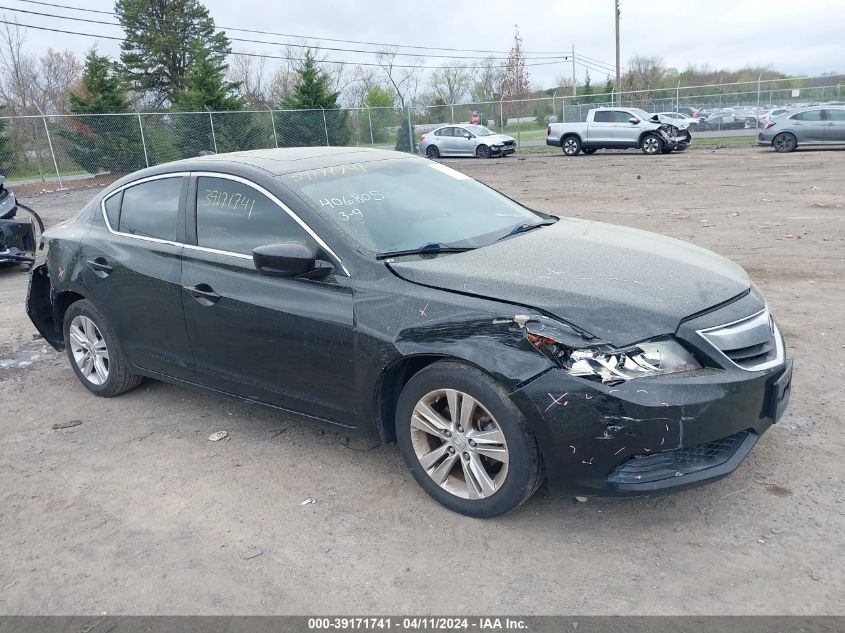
[[650, 434]]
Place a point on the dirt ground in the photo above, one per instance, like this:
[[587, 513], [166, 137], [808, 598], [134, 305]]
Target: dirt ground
[[134, 511]]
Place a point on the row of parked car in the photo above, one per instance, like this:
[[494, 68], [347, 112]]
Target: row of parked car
[[737, 117]]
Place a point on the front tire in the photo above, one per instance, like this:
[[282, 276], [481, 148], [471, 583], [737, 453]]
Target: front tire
[[465, 442], [482, 151], [94, 354], [571, 145], [432, 152], [652, 144], [784, 142]]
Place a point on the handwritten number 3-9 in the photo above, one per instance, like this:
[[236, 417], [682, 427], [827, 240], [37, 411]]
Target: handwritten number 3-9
[[346, 215]]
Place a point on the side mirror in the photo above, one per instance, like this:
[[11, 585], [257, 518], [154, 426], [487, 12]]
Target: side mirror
[[289, 259], [633, 120]]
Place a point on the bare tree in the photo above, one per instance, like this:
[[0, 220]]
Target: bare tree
[[250, 73], [645, 73], [515, 81], [450, 83], [28, 83], [487, 84], [364, 79], [404, 80]]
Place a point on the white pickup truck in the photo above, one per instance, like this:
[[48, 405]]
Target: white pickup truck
[[620, 128]]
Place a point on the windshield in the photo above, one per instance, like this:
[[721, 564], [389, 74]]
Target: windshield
[[642, 114], [479, 130], [404, 203]]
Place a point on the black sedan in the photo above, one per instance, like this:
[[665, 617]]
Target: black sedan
[[392, 296]]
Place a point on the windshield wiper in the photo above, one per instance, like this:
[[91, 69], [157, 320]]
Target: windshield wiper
[[432, 248], [522, 228]]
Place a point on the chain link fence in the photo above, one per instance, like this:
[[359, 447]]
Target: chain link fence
[[56, 148]]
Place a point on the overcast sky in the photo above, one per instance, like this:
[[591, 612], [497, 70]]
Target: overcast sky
[[805, 37]]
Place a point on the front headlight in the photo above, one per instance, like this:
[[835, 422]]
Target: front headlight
[[609, 365]]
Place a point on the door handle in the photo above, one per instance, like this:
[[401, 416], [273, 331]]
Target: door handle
[[203, 294], [100, 267]]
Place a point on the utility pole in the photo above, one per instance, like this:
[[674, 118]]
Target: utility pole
[[574, 85], [618, 67]]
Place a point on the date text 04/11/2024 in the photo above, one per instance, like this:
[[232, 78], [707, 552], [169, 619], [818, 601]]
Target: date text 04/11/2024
[[428, 623]]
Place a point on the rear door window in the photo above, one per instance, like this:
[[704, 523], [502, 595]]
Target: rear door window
[[811, 115], [151, 209], [603, 116], [235, 217]]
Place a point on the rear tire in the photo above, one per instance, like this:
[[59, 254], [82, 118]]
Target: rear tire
[[652, 145], [93, 351], [571, 145], [507, 459], [432, 152], [784, 142]]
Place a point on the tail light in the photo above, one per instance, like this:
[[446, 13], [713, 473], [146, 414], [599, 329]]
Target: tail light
[[422, 137], [549, 131], [768, 125]]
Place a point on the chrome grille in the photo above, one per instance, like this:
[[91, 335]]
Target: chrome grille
[[752, 343]]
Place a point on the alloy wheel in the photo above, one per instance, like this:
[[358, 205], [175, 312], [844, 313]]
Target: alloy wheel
[[651, 145], [89, 350], [784, 143], [570, 147], [459, 444]]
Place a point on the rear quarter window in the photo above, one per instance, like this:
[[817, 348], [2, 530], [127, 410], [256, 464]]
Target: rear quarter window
[[113, 209]]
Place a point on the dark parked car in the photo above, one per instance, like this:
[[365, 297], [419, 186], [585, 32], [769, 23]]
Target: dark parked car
[[392, 296], [722, 121]]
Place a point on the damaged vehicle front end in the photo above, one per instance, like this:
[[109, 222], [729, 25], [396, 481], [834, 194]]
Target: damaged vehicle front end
[[19, 237], [676, 135], [396, 298]]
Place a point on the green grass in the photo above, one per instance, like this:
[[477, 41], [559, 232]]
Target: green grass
[[724, 140]]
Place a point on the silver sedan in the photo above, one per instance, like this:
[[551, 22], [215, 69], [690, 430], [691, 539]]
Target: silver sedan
[[465, 140], [818, 125]]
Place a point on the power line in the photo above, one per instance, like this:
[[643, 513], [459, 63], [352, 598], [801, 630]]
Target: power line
[[250, 41], [592, 67], [596, 61], [308, 37], [267, 56]]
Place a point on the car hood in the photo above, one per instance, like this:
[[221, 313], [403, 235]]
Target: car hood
[[494, 139], [678, 123], [620, 284]]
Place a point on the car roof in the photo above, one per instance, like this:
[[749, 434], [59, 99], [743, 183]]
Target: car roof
[[266, 162], [286, 160], [277, 161]]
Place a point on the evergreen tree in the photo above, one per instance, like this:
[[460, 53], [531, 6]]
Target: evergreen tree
[[405, 141], [312, 93], [161, 43], [608, 87], [206, 90], [587, 90], [97, 142]]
